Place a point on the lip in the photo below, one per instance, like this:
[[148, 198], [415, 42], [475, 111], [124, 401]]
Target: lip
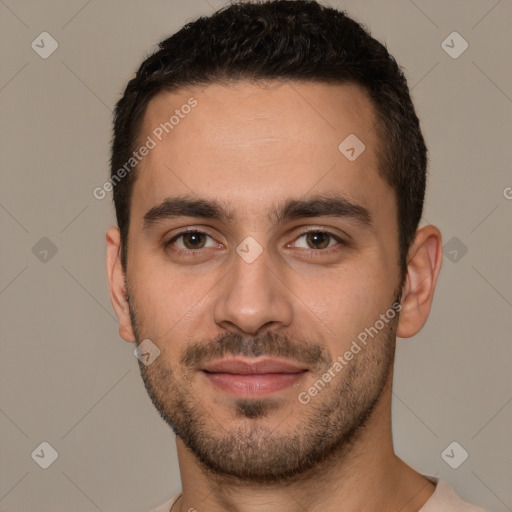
[[252, 367], [251, 378]]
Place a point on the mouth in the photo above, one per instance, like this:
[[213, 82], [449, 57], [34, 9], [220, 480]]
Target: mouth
[[252, 377]]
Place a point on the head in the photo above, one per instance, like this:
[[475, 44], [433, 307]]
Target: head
[[273, 214]]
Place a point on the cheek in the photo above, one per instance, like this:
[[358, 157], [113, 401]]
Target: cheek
[[353, 301], [168, 300]]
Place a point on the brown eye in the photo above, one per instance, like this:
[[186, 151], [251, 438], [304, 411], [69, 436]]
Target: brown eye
[[190, 240], [318, 240], [194, 240]]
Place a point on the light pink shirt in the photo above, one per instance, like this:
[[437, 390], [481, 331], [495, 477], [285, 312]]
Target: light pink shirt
[[443, 499]]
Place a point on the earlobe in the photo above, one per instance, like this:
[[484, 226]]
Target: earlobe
[[423, 267], [117, 284]]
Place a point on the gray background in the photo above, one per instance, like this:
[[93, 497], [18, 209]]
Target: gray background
[[66, 376]]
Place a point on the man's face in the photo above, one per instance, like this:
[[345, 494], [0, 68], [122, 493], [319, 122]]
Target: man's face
[[251, 310]]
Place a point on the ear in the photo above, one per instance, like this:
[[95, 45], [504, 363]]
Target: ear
[[117, 284], [425, 258]]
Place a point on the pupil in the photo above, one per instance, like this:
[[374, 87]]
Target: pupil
[[189, 240], [318, 239]]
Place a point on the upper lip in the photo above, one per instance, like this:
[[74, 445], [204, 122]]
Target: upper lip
[[252, 367]]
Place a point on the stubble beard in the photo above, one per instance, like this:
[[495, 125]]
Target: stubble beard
[[253, 451]]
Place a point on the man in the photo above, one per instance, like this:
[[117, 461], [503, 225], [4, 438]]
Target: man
[[269, 172]]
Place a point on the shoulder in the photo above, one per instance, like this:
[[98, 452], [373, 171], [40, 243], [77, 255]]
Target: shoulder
[[445, 499], [166, 507]]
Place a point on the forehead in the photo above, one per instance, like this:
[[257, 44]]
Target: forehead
[[249, 144]]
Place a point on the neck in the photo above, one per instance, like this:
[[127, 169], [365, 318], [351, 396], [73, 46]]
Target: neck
[[367, 475]]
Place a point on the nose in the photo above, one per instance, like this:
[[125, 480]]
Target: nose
[[252, 298]]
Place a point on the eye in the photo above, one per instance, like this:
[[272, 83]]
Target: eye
[[318, 240], [191, 240]]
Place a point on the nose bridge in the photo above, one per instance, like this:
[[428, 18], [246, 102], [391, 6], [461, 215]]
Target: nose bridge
[[252, 296]]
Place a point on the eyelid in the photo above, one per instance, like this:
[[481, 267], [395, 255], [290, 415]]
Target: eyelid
[[185, 231], [309, 230], [323, 231]]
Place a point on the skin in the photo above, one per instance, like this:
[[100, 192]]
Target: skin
[[252, 147]]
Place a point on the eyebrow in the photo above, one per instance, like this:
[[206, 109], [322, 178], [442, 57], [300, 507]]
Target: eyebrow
[[291, 209]]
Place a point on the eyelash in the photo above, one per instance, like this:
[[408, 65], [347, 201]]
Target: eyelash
[[319, 252]]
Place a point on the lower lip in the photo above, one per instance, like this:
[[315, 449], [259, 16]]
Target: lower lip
[[253, 385]]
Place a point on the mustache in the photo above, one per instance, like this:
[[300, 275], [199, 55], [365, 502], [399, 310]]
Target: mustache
[[279, 345]]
